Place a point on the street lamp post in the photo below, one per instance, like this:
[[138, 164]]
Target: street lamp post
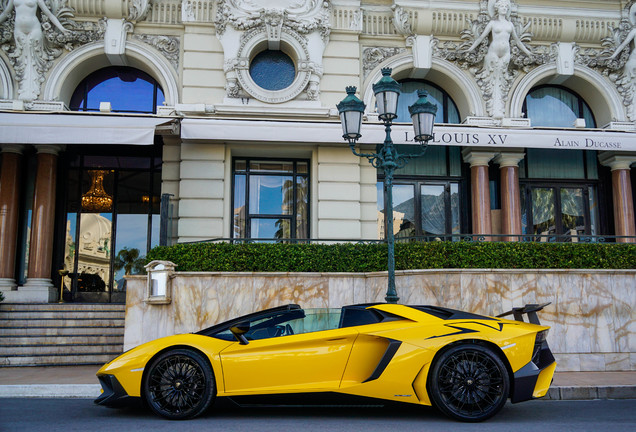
[[351, 109]]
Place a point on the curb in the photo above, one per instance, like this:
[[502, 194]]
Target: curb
[[92, 391], [78, 391], [591, 392]]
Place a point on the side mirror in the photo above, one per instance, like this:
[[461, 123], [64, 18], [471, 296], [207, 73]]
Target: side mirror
[[239, 331]]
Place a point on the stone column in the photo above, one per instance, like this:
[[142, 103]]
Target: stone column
[[510, 194], [39, 287], [624, 224], [480, 190], [9, 206]]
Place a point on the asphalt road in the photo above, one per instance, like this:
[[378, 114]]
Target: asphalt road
[[68, 415]]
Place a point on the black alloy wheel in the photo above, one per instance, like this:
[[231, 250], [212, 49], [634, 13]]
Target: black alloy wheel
[[469, 383], [179, 385]]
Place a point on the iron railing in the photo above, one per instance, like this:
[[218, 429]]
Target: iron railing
[[537, 238]]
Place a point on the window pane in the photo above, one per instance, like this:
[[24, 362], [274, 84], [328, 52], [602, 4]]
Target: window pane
[[126, 88], [593, 202], [543, 216], [302, 207], [240, 165], [555, 164], [131, 236], [274, 166], [556, 107], [93, 265], [433, 209], [435, 95], [433, 163], [572, 211], [272, 70], [404, 211], [271, 195], [69, 247], [239, 206], [270, 228], [455, 203]]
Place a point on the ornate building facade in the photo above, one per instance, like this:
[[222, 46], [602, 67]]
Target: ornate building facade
[[128, 123]]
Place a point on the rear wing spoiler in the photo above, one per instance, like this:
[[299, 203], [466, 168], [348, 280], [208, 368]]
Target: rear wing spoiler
[[529, 309]]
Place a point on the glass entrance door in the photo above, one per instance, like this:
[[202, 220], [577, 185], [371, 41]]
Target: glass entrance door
[[559, 213], [111, 221]]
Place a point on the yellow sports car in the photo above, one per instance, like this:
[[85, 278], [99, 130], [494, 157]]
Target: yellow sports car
[[464, 364]]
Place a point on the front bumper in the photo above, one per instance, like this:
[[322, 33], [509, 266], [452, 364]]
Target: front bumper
[[113, 394], [534, 379]]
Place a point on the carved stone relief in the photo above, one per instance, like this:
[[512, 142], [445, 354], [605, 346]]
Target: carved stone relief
[[373, 56], [620, 66], [494, 51], [46, 29], [302, 25], [168, 46], [138, 10]]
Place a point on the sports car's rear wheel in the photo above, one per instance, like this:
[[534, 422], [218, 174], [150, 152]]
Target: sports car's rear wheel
[[469, 383], [179, 385]]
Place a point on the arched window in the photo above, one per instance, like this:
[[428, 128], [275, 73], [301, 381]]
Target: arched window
[[127, 89], [446, 109], [554, 106]]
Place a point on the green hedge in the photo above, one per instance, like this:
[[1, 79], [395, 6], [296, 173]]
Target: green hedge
[[349, 257]]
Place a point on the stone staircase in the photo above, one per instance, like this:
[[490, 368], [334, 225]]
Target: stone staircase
[[53, 334]]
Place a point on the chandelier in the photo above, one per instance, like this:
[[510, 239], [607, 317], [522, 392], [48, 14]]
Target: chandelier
[[96, 199]]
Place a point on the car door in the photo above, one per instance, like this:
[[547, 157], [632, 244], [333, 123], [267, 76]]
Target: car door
[[278, 364]]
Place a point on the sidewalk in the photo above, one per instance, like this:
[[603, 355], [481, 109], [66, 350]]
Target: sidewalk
[[80, 382]]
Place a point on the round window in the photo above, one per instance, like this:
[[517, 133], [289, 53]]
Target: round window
[[272, 70]]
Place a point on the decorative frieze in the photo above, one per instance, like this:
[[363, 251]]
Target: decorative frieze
[[373, 56], [168, 46]]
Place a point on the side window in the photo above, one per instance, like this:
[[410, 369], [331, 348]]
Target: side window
[[289, 323]]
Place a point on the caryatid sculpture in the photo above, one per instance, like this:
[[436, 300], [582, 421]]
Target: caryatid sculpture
[[495, 75], [628, 80], [30, 52]]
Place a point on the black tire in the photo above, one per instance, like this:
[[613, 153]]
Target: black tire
[[179, 385], [469, 382]]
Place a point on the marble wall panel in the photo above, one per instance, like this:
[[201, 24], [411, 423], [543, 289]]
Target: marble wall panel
[[310, 291], [342, 291], [591, 316], [623, 288]]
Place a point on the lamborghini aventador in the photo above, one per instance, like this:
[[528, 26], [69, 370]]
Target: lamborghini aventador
[[465, 365]]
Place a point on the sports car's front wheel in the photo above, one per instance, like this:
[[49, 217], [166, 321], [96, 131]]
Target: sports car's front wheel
[[469, 383], [179, 385]]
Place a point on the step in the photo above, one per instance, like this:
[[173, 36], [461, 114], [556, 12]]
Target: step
[[47, 314], [58, 360], [62, 306], [30, 339], [56, 322], [62, 331], [59, 349]]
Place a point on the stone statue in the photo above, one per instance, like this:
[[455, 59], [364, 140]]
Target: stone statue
[[495, 74], [627, 82], [30, 53]]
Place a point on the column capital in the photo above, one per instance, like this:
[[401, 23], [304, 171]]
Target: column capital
[[477, 157], [12, 148], [617, 161], [509, 159], [49, 149]]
